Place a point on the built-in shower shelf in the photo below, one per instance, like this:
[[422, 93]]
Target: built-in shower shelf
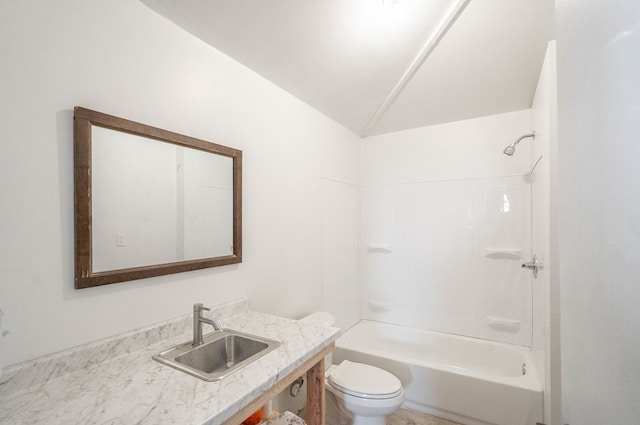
[[503, 324], [379, 306], [383, 248], [503, 253]]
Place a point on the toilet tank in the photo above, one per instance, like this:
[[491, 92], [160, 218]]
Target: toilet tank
[[321, 318]]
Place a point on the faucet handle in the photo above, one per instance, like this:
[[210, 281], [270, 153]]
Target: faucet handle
[[199, 307]]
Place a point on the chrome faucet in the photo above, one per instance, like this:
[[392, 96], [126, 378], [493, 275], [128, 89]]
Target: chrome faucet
[[198, 320]]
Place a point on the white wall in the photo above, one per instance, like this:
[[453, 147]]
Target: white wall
[[462, 149], [121, 58], [599, 157], [340, 222], [442, 209]]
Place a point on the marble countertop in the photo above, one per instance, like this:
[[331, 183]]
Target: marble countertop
[[115, 381]]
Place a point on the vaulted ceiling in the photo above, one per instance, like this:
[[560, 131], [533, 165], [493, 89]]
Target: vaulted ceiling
[[378, 66]]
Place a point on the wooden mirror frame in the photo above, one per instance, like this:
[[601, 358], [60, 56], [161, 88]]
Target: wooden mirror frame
[[84, 120]]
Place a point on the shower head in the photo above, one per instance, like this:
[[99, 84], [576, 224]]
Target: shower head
[[511, 149]]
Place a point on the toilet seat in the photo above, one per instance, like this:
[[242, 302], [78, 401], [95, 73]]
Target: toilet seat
[[364, 381]]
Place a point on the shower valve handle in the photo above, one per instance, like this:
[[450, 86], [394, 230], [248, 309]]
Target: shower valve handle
[[534, 265]]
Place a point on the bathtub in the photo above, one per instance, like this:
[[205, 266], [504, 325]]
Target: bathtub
[[467, 380]]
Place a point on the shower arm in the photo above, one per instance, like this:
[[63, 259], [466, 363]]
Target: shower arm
[[524, 137]]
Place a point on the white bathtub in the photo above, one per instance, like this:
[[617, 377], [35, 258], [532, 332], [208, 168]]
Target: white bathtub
[[468, 380]]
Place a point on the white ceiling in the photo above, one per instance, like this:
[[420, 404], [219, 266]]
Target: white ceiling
[[377, 67]]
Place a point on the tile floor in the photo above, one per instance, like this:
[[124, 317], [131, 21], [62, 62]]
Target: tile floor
[[412, 417], [401, 417]]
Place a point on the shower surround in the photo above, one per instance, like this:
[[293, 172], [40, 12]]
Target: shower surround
[[446, 225]]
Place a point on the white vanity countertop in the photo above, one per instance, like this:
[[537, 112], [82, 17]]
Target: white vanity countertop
[[117, 382]]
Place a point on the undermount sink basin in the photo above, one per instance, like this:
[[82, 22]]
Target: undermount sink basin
[[221, 353]]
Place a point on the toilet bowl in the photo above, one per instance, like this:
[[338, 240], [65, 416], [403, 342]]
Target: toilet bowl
[[366, 393], [363, 392]]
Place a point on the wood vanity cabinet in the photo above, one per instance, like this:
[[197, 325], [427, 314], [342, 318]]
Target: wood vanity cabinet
[[314, 369]]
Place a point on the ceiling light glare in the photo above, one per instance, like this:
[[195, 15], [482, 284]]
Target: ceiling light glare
[[371, 24]]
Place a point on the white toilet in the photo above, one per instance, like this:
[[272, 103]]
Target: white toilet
[[364, 392]]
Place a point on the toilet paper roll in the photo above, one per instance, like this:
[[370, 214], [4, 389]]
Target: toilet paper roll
[[287, 418], [292, 419]]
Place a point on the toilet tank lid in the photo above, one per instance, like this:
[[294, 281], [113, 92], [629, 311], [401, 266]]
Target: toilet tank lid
[[322, 318]]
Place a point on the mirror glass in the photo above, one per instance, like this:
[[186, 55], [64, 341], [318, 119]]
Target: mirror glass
[[157, 202]]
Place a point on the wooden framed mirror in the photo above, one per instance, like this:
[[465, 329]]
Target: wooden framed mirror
[[150, 202]]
